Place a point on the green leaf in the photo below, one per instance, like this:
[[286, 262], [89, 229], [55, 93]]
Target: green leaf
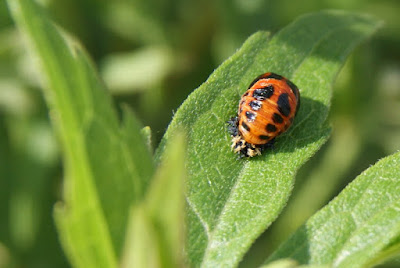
[[232, 201], [284, 263], [142, 69], [146, 132], [107, 165], [288, 263], [155, 236], [357, 226], [142, 247]]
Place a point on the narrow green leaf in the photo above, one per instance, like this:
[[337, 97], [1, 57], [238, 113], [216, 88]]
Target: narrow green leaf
[[232, 201], [142, 247], [288, 263], [156, 234], [390, 252], [357, 226], [284, 263], [146, 132], [166, 202], [107, 166]]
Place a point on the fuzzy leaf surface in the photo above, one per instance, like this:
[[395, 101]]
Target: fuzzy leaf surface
[[230, 201], [358, 227]]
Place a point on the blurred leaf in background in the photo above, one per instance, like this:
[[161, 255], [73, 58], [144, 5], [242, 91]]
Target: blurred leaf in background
[[29, 170]]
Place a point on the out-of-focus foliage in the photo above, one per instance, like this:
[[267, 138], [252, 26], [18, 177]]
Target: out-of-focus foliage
[[167, 48]]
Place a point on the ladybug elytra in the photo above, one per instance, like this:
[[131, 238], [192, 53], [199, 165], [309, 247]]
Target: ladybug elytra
[[266, 110]]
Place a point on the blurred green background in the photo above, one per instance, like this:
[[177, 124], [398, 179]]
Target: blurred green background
[[151, 55]]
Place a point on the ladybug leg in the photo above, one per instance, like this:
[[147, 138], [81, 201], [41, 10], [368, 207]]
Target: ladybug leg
[[243, 151], [250, 150]]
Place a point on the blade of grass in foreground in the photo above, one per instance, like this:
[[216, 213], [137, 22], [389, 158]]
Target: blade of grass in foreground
[[107, 166], [155, 236], [230, 201], [358, 227]]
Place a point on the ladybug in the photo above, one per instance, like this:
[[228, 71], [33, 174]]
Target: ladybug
[[266, 110]]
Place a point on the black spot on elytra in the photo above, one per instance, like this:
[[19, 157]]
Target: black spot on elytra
[[250, 116], [277, 118], [274, 76], [263, 93], [255, 105], [283, 104], [270, 128], [264, 137], [245, 126]]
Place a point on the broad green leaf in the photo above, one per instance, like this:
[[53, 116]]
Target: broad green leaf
[[107, 165], [231, 201], [359, 225], [155, 236]]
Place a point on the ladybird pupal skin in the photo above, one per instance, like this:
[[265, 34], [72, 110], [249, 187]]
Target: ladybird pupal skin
[[266, 110]]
